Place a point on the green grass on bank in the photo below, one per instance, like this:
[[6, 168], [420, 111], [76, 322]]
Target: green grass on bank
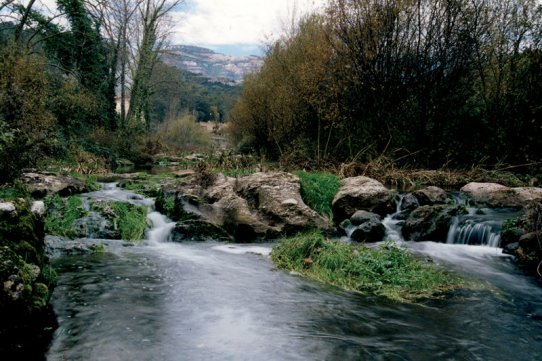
[[387, 271], [318, 190]]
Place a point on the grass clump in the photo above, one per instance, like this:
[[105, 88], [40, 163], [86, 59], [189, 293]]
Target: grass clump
[[318, 190], [14, 191], [62, 213], [147, 185], [388, 271], [130, 220]]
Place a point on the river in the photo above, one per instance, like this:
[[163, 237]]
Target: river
[[212, 301]]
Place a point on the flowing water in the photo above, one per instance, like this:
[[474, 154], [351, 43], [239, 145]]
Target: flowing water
[[215, 301]]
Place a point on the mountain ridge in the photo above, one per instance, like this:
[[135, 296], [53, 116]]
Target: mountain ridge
[[215, 66]]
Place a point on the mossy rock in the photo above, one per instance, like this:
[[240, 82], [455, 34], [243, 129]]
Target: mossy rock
[[199, 230], [431, 223]]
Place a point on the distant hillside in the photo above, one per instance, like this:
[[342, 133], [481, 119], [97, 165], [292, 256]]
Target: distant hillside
[[215, 66]]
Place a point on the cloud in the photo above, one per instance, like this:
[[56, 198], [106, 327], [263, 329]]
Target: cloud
[[221, 22]]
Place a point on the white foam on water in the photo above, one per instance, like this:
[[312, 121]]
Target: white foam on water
[[241, 249]]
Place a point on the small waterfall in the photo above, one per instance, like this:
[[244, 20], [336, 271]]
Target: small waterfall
[[392, 222], [161, 228], [471, 232]]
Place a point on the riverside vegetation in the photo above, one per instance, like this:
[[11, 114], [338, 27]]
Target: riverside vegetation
[[409, 93]]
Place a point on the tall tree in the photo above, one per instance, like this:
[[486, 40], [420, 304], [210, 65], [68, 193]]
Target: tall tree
[[152, 33]]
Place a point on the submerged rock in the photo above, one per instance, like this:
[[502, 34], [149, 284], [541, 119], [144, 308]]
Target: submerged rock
[[430, 223], [362, 193], [499, 196], [44, 184]]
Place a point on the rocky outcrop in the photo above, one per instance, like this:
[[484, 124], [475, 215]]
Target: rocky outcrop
[[44, 184], [261, 205], [499, 196], [368, 227], [26, 280], [431, 195], [362, 193], [430, 223]]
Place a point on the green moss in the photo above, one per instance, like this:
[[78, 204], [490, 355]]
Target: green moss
[[172, 207], [131, 220], [62, 213], [14, 191], [49, 275], [40, 296], [318, 190], [147, 184], [98, 248], [388, 271]]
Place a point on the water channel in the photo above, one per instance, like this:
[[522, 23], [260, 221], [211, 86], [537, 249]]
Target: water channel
[[214, 301]]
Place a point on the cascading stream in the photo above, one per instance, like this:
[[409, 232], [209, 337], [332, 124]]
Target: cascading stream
[[169, 301], [484, 233]]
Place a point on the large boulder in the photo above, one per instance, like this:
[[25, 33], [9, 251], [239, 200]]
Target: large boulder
[[369, 227], [261, 205], [431, 195], [499, 196], [430, 223], [44, 184], [362, 193]]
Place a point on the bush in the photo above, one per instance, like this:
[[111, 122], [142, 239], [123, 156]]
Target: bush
[[388, 271], [184, 134]]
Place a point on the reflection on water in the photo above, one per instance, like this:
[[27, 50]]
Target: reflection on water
[[209, 302]]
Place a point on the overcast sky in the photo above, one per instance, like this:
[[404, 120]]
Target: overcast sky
[[236, 26]]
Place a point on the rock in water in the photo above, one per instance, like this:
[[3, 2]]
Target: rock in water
[[499, 196], [369, 227], [261, 205], [362, 193], [429, 196], [430, 223]]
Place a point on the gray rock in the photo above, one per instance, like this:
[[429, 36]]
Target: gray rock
[[362, 193], [38, 208], [361, 217], [409, 203], [430, 223], [262, 205], [431, 195], [499, 196], [43, 184], [369, 231], [7, 208]]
